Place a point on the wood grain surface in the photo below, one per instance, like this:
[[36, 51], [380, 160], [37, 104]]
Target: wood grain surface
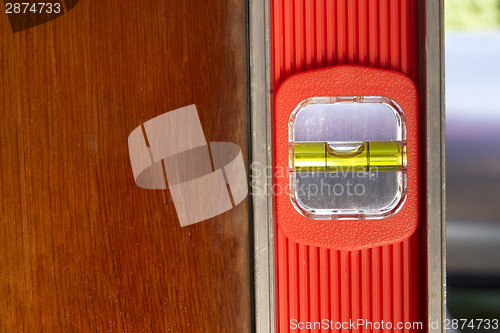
[[82, 248]]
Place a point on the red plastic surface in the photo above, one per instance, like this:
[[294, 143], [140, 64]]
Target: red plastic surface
[[316, 283], [347, 80]]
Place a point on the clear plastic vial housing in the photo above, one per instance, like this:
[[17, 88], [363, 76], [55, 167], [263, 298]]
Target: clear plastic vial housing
[[347, 157]]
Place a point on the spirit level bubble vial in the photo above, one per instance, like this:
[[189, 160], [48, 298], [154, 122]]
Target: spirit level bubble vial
[[355, 165]]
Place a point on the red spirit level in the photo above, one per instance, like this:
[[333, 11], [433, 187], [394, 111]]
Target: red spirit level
[[356, 124], [352, 183], [341, 270]]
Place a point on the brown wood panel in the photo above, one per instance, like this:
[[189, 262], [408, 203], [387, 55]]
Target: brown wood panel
[[81, 246]]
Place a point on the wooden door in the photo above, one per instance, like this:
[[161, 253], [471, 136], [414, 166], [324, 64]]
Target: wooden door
[[82, 248]]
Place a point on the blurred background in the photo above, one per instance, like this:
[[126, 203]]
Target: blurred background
[[473, 159]]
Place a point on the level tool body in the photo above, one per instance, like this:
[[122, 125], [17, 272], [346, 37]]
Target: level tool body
[[345, 102]]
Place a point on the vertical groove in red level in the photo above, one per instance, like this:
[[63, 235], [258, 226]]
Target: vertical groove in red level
[[314, 261], [315, 283]]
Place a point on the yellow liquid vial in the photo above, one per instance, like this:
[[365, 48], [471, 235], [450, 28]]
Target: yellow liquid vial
[[362, 156]]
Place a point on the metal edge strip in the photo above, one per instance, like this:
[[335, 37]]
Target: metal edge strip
[[435, 164], [261, 181]]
